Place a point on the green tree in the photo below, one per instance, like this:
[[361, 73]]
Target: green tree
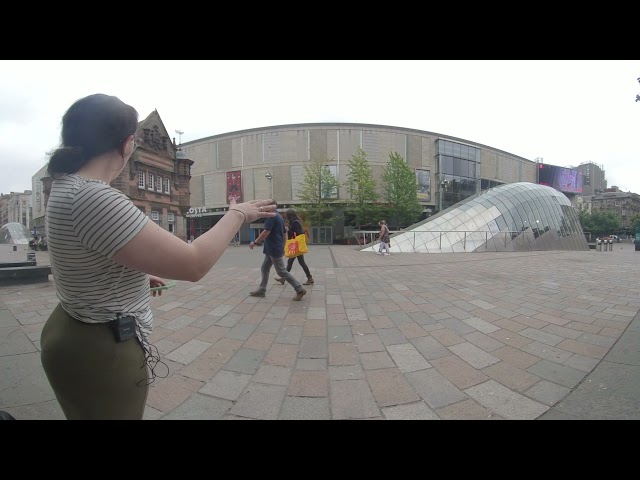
[[599, 222], [401, 190], [317, 189], [634, 222], [362, 187]]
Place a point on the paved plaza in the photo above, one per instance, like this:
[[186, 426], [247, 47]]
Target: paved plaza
[[496, 335]]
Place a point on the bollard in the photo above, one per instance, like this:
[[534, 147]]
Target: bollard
[[599, 245]]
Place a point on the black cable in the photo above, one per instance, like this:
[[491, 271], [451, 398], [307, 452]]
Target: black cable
[[151, 360]]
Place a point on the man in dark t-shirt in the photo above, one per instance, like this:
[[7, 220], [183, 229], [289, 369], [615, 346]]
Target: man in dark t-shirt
[[273, 236]]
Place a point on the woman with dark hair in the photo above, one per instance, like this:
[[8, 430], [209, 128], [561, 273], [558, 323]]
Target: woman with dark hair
[[295, 227], [105, 256]]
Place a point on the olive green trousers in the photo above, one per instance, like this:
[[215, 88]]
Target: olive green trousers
[[92, 376]]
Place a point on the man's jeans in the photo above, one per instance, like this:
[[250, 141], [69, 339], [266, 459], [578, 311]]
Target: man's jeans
[[281, 270]]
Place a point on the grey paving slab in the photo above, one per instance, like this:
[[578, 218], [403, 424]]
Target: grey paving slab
[[273, 375], [546, 351], [47, 410], [474, 356], [505, 402], [369, 343], [32, 388], [430, 348], [229, 320], [241, 331], [272, 325], [562, 331], [467, 410], [407, 357], [457, 325], [260, 401], [179, 322], [290, 334], [352, 399], [200, 407], [434, 388], [341, 333], [422, 318], [189, 351], [317, 313], [7, 319], [305, 408], [311, 364], [245, 360], [560, 374], [398, 318], [391, 336], [546, 392], [390, 387], [313, 347], [541, 336], [347, 372], [226, 385], [412, 411], [481, 325], [13, 341], [483, 341], [580, 362]]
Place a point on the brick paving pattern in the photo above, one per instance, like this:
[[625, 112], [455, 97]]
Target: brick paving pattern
[[527, 335]]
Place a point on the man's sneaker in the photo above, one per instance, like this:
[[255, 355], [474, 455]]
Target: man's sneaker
[[257, 293], [387, 254], [278, 279], [378, 253], [300, 294]]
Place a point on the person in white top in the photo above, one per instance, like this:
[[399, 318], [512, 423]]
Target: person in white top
[[105, 256]]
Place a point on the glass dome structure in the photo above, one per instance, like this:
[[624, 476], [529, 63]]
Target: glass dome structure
[[513, 217], [14, 233]]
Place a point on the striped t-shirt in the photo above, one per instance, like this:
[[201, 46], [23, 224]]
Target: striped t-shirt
[[87, 222]]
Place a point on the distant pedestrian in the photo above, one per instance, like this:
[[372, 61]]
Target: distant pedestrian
[[295, 229], [384, 238], [273, 237]]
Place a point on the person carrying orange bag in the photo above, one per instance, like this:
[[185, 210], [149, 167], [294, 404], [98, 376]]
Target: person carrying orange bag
[[296, 246]]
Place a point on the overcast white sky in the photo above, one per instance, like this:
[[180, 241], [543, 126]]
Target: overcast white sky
[[565, 111]]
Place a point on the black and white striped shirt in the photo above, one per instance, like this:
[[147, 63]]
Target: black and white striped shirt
[[87, 222]]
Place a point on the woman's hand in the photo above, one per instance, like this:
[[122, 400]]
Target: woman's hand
[[254, 209], [156, 282]]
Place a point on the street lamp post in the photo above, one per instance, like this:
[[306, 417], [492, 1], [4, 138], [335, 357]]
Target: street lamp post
[[269, 177]]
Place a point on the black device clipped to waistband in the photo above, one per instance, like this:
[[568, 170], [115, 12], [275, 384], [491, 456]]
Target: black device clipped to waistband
[[124, 327]]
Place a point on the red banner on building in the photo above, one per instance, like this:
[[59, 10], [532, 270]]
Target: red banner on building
[[234, 186]]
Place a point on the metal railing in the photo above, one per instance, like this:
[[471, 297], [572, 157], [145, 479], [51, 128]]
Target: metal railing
[[463, 240]]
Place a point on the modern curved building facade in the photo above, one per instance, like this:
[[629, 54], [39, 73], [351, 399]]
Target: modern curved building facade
[[520, 216], [269, 162]]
